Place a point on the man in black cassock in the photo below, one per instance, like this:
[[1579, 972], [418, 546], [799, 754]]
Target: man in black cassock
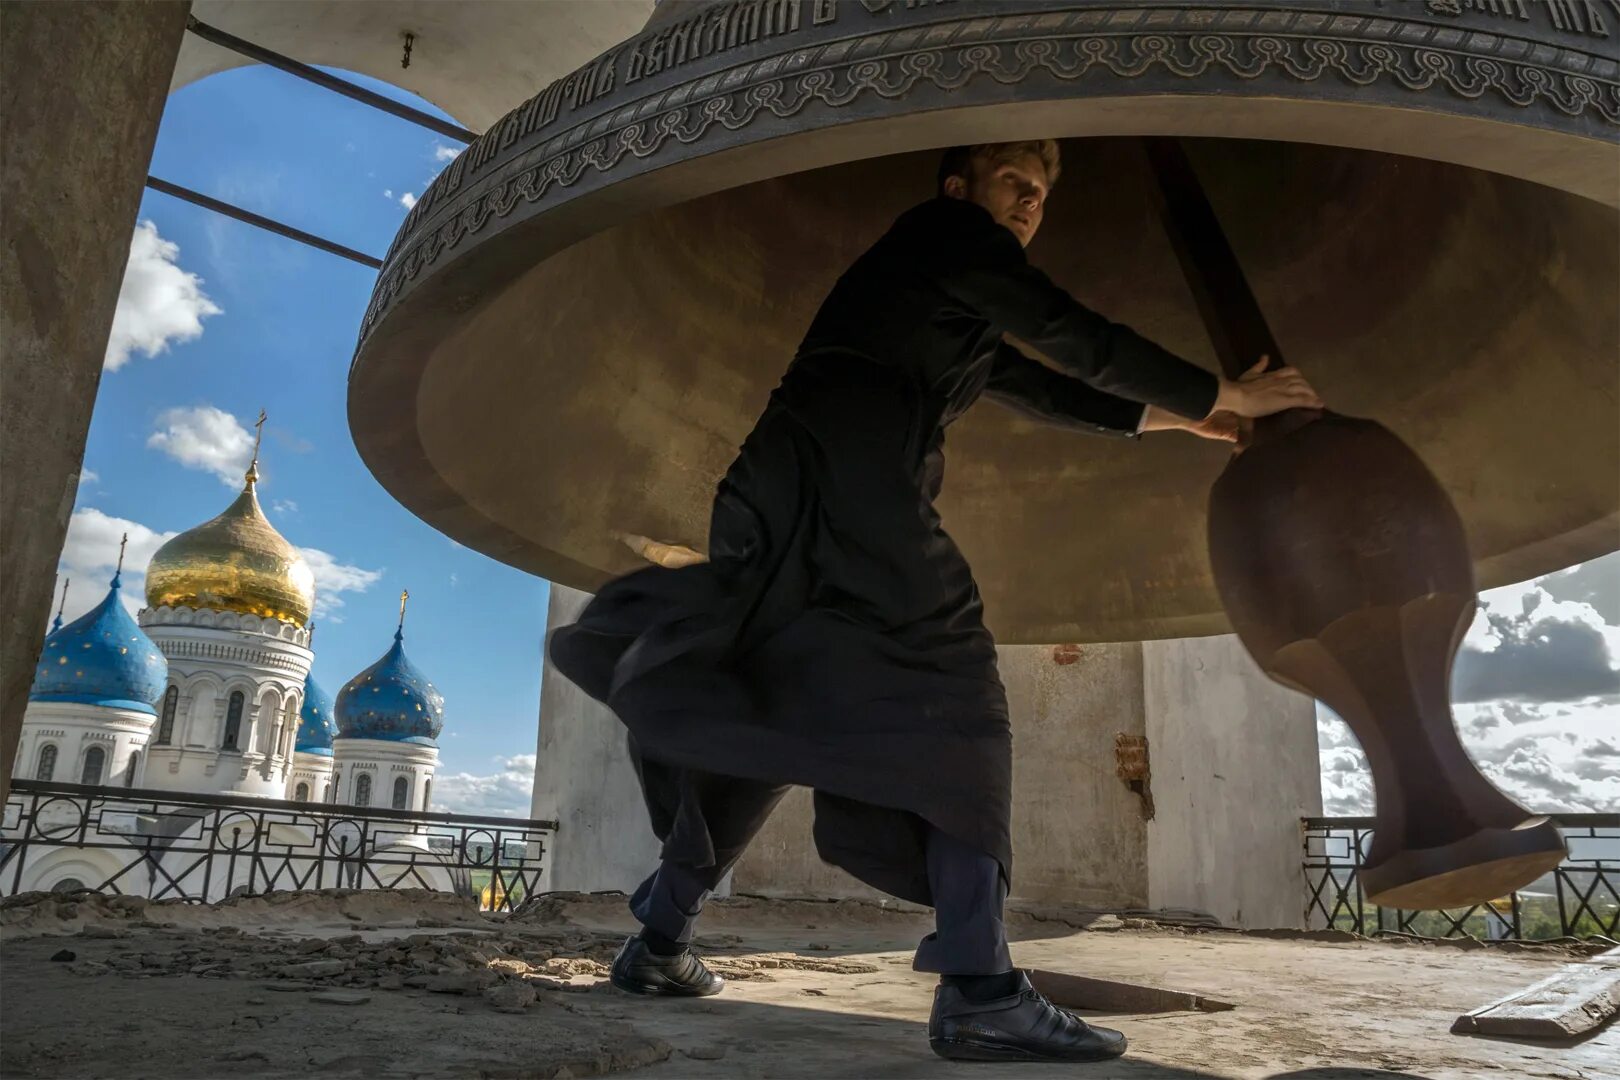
[[835, 637]]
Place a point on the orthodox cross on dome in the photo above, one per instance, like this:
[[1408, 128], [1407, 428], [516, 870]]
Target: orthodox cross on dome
[[404, 595], [57, 625], [258, 437], [122, 544]]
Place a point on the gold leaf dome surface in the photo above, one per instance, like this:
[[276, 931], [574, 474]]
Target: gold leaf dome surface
[[235, 562]]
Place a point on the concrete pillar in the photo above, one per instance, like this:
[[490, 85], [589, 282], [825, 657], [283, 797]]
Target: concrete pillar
[[83, 91], [583, 779], [1232, 767], [1235, 767]]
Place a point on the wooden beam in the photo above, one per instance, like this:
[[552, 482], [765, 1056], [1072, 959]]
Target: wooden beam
[[1570, 1003], [1106, 995]]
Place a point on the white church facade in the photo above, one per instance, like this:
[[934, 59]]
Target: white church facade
[[208, 691]]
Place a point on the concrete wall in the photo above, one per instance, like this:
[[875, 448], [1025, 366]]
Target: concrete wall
[[80, 100], [475, 59], [1079, 836], [583, 779], [1235, 767]]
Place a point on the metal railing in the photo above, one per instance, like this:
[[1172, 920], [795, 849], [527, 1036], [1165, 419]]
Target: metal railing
[[175, 845], [1579, 898]]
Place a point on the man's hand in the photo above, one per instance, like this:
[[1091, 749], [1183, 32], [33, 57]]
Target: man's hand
[[1260, 392], [1220, 426]]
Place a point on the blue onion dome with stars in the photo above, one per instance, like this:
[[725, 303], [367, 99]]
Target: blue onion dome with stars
[[391, 699], [102, 658], [316, 725]]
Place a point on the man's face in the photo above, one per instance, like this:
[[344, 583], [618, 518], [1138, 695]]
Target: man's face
[[1013, 191]]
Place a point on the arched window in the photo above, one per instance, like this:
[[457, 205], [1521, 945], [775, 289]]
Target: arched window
[[68, 884], [47, 762], [94, 760], [362, 790], [427, 790], [132, 768], [290, 728], [301, 793], [171, 699], [233, 721], [328, 794], [402, 793]]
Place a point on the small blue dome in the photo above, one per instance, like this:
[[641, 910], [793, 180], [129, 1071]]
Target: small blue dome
[[390, 700], [315, 724], [102, 658]]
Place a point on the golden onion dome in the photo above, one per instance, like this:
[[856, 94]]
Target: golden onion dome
[[236, 562]]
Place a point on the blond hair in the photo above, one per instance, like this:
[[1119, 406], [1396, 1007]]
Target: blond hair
[[958, 160]]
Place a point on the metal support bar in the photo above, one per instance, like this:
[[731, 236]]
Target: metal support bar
[[328, 82], [1231, 314], [258, 221]]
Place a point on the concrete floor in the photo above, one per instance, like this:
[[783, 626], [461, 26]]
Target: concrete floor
[[817, 990]]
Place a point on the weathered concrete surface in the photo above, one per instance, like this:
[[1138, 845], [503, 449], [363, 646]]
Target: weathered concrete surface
[[583, 779], [1235, 767], [1079, 836], [1233, 759], [814, 990], [475, 59], [82, 92]]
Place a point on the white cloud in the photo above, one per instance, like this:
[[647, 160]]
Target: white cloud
[[158, 303], [203, 437], [407, 200], [332, 578], [1535, 698], [88, 477], [388, 193], [284, 506], [443, 153], [507, 792], [90, 553], [1530, 647]]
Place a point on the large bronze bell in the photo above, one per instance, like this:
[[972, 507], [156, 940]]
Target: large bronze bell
[[581, 318]]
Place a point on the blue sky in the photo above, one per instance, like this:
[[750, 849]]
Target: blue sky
[[218, 319], [282, 340]]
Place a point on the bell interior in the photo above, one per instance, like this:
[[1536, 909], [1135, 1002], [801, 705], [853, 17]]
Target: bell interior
[[604, 390]]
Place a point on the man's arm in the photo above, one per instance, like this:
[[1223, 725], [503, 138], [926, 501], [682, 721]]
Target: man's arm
[[1032, 389], [986, 271]]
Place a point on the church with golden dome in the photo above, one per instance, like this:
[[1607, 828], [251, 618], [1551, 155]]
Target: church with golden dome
[[208, 689]]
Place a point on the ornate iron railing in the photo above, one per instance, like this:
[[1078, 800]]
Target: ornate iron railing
[[1579, 898], [173, 845]]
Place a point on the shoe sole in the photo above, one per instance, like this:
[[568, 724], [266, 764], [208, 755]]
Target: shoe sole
[[972, 1050], [647, 990]]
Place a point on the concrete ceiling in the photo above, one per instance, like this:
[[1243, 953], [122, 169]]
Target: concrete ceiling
[[474, 59]]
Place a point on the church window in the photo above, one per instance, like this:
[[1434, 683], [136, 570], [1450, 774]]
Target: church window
[[68, 884], [328, 791], [402, 793], [362, 790], [47, 762], [301, 793], [233, 721], [171, 698], [132, 768], [427, 791], [94, 759]]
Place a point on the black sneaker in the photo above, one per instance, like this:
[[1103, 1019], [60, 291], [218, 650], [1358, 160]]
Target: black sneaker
[[1021, 1027], [639, 970]]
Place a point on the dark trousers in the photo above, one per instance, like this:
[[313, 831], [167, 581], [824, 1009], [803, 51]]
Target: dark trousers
[[969, 936]]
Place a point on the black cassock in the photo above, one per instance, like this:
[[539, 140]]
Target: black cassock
[[835, 638]]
